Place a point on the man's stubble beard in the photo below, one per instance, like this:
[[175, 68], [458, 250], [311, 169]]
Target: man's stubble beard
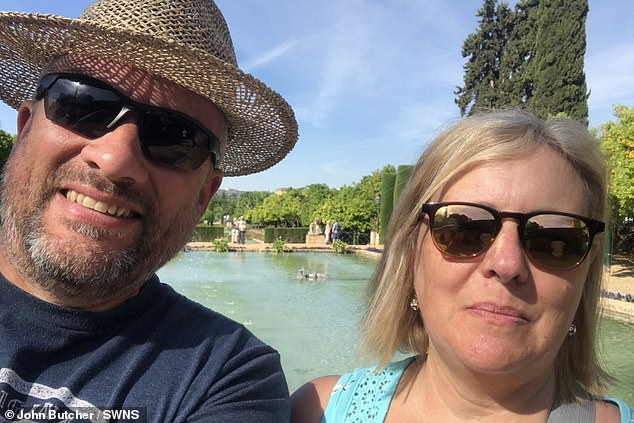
[[84, 274]]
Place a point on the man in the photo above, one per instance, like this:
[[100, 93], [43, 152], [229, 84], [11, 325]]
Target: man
[[336, 230], [128, 118], [242, 230]]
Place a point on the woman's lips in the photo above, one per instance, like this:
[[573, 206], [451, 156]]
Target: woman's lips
[[498, 313]]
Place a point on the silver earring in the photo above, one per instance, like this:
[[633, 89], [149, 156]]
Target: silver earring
[[414, 304], [572, 329]]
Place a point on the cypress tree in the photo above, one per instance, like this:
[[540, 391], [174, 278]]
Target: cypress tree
[[560, 46], [485, 49], [517, 65]]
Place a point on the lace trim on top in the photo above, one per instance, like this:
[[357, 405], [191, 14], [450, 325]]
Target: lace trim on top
[[364, 396]]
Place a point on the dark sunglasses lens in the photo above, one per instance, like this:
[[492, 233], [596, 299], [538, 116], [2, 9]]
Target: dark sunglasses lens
[[80, 107], [173, 140], [555, 241], [88, 109], [462, 231]]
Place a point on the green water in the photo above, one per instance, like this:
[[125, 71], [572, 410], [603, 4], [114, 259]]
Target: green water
[[617, 350], [314, 323]]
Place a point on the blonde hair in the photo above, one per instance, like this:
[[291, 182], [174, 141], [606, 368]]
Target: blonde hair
[[390, 325]]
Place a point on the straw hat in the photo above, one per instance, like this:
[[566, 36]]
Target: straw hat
[[184, 41]]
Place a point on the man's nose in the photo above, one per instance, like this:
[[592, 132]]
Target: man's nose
[[118, 155]]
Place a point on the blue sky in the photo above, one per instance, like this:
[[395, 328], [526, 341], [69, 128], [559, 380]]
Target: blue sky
[[372, 81]]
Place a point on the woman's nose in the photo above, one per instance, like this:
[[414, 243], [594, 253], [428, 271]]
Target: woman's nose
[[505, 258]]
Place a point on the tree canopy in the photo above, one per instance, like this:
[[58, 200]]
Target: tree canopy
[[6, 144], [530, 57], [352, 205], [617, 141], [560, 47], [485, 51]]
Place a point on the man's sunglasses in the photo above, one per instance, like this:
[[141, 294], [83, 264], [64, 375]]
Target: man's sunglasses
[[93, 108], [552, 240]]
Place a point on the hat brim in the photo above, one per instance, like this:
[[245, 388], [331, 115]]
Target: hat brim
[[262, 125]]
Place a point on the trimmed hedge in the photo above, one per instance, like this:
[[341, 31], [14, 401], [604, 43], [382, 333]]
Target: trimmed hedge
[[403, 172], [387, 202], [207, 233], [290, 235], [392, 185]]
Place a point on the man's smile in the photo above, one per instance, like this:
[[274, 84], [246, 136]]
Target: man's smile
[[99, 206]]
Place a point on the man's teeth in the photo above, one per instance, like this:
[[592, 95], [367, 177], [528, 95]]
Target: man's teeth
[[99, 206]]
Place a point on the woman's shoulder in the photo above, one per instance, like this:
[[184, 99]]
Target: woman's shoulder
[[311, 399], [309, 402], [613, 410]]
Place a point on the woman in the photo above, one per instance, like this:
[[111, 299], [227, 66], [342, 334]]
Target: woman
[[491, 276], [328, 232]]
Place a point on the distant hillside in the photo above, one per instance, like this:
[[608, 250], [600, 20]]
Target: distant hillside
[[229, 192], [235, 192]]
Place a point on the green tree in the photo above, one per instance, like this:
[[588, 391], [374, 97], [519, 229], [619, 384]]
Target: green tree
[[6, 144], [560, 46], [277, 210], [517, 71], [354, 206], [312, 197], [221, 204], [530, 57], [617, 141], [248, 200], [484, 85]]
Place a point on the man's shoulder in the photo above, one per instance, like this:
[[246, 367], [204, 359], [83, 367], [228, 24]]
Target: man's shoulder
[[160, 347]]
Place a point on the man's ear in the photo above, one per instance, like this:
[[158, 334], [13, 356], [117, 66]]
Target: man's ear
[[209, 188], [25, 113]]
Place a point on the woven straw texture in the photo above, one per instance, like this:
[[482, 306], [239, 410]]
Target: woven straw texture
[[184, 41]]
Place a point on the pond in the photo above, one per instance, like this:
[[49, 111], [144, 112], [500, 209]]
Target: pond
[[314, 323]]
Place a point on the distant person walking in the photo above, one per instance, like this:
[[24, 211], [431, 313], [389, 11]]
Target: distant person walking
[[336, 230]]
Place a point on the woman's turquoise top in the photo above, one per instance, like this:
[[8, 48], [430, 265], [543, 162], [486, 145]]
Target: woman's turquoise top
[[364, 396]]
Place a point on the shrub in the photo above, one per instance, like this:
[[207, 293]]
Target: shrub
[[339, 246], [221, 245], [279, 246]]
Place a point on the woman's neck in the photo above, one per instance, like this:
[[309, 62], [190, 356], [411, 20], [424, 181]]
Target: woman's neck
[[433, 391]]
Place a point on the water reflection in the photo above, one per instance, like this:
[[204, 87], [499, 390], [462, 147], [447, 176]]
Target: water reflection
[[314, 323], [617, 347]]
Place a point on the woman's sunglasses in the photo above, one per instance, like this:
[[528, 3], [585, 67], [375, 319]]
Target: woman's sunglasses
[[552, 240], [93, 108]]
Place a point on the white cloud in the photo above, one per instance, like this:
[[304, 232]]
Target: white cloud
[[270, 55]]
